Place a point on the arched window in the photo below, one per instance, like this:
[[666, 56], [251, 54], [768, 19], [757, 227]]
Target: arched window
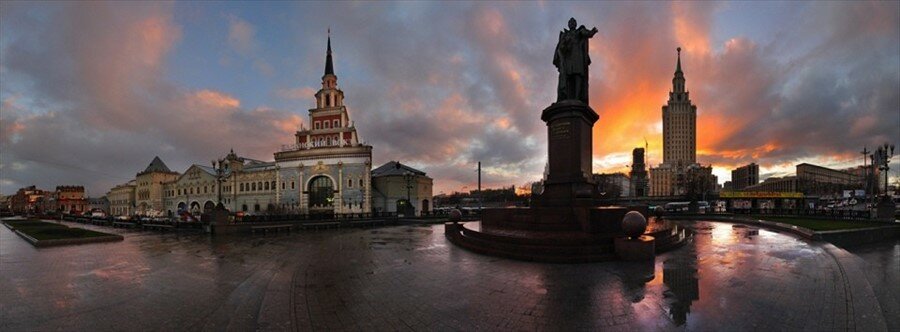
[[267, 185], [282, 186], [259, 185], [292, 185], [360, 183], [273, 185], [241, 187], [252, 186], [349, 182]]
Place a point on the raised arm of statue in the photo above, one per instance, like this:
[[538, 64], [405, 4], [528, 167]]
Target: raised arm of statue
[[587, 33]]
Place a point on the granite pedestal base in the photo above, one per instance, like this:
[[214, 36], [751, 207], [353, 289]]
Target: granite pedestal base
[[639, 249], [557, 235]]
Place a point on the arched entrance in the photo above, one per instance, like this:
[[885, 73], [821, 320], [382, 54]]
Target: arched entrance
[[405, 208], [424, 206], [182, 207], [321, 195], [208, 206], [195, 208]]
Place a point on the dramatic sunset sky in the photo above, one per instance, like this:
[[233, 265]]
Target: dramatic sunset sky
[[91, 92]]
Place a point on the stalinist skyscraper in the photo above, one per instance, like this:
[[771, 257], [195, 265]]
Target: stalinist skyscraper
[[679, 143], [679, 123]]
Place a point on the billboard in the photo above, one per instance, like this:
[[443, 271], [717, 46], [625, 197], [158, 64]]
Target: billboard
[[759, 194]]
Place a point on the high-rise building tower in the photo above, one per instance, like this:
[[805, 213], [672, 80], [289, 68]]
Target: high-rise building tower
[[745, 176], [680, 174], [638, 173], [679, 123]]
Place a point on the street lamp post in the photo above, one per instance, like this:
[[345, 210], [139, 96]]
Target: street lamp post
[[885, 153], [220, 178], [408, 176]]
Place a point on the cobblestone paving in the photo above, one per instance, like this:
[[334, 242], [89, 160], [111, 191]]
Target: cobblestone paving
[[730, 277]]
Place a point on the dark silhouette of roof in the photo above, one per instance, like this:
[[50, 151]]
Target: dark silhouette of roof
[[158, 166], [395, 168]]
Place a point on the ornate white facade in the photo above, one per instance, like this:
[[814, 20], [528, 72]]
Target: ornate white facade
[[327, 169]]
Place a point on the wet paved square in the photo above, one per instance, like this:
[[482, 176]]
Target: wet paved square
[[410, 278]]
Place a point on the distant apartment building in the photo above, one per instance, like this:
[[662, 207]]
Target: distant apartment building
[[28, 200], [812, 180], [121, 199], [745, 176], [67, 199], [727, 186]]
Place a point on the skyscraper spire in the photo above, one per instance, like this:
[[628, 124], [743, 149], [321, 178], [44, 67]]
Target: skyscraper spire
[[678, 67], [678, 80], [329, 65]]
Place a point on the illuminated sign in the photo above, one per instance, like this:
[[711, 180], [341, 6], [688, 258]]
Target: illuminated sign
[[759, 194]]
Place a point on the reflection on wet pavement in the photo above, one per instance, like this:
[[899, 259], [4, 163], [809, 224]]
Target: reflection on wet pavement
[[729, 277]]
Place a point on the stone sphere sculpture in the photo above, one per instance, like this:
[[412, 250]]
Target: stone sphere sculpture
[[659, 211], [455, 215], [634, 224]]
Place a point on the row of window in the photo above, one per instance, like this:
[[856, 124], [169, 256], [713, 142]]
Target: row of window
[[256, 186], [325, 124]]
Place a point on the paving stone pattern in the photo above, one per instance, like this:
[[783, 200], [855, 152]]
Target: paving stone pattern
[[730, 277]]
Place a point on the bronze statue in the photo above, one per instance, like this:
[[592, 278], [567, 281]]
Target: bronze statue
[[572, 60]]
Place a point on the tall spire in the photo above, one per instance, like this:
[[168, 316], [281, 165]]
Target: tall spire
[[678, 80], [677, 68], [329, 66]]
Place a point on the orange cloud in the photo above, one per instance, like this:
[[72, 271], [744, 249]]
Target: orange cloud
[[290, 124], [215, 99]]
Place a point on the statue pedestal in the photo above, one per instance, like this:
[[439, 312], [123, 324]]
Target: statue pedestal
[[885, 208], [639, 249], [569, 131]]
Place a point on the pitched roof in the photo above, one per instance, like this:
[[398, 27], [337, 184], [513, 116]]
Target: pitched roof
[[157, 165], [394, 168]]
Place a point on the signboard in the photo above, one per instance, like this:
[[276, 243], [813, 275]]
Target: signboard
[[759, 194], [848, 193]]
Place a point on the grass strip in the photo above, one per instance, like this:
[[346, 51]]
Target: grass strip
[[41, 230]]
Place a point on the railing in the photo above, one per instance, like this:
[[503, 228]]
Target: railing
[[315, 217], [818, 213]]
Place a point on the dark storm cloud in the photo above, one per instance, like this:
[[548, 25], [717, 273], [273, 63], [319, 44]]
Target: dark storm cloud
[[87, 98]]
